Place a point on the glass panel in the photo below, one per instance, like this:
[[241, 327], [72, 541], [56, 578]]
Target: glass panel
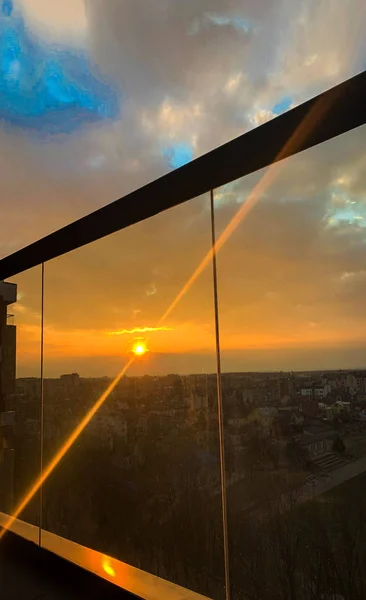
[[141, 483], [20, 391], [292, 323]]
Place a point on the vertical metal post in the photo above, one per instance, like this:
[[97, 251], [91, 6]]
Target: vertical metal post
[[219, 406], [41, 427]]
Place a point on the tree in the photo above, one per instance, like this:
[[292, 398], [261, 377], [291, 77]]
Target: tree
[[296, 455]]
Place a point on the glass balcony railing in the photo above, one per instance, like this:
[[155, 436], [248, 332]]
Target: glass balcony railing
[[183, 400], [291, 276], [148, 459]]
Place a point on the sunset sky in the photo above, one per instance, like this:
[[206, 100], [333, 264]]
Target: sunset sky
[[98, 98]]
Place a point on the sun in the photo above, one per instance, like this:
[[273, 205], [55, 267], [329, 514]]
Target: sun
[[139, 348]]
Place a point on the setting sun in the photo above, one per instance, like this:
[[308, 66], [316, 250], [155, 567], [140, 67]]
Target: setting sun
[[139, 348]]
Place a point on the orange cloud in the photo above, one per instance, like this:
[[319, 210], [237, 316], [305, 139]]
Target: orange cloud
[[140, 330]]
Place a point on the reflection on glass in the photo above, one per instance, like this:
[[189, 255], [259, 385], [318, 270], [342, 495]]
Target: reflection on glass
[[142, 481], [20, 391], [292, 323]]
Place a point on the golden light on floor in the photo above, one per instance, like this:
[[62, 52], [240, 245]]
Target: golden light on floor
[[139, 348], [107, 567]]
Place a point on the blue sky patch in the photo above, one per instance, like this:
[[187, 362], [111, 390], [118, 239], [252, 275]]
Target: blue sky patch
[[219, 20], [236, 22], [178, 155], [351, 216], [46, 89], [344, 209], [7, 7], [282, 106]]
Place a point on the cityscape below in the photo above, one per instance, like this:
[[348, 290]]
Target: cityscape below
[[142, 480], [152, 450]]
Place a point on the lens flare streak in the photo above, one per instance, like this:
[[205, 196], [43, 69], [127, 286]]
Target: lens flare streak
[[64, 449]]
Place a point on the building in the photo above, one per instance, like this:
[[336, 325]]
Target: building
[[321, 391], [316, 439], [307, 392], [337, 410], [360, 382], [285, 387], [317, 444], [71, 379], [263, 419], [8, 296], [317, 391]]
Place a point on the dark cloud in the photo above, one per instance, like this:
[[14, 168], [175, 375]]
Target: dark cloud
[[193, 75]]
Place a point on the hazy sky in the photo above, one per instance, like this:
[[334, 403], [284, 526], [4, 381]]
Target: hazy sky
[[99, 97]]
